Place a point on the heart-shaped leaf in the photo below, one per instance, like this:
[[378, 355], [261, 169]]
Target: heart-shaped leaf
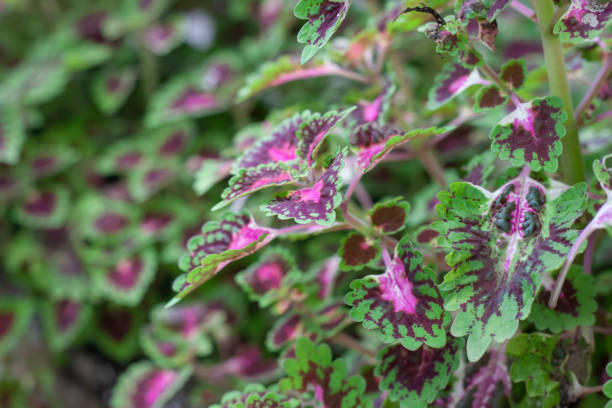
[[270, 279], [531, 134], [64, 320], [414, 378], [324, 17], [111, 88], [583, 20], [513, 73], [15, 315], [126, 282], [488, 97], [313, 368], [501, 244], [116, 332], [316, 203], [576, 305], [358, 251], [390, 216], [402, 304], [143, 385], [44, 209]]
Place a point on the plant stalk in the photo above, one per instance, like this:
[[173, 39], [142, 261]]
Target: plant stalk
[[571, 163]]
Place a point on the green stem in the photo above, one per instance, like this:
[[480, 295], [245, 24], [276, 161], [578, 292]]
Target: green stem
[[571, 163], [150, 72]]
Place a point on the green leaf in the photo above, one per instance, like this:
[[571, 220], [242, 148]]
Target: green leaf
[[324, 17], [414, 378], [313, 368], [402, 304], [576, 305], [501, 244], [15, 315], [255, 396]]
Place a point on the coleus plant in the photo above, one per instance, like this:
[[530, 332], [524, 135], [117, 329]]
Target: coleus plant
[[330, 203]]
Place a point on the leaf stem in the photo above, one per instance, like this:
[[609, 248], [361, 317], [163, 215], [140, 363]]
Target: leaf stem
[[603, 116], [433, 166], [347, 341], [150, 72], [598, 82], [523, 9], [571, 162]]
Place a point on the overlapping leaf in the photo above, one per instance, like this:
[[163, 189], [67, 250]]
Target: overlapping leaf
[[576, 305], [219, 243], [313, 369], [373, 142], [144, 385], [324, 17], [390, 216], [313, 130], [403, 303], [584, 19], [454, 79], [270, 279], [358, 251], [255, 396], [414, 378], [486, 382], [488, 97], [531, 134], [316, 203], [501, 244]]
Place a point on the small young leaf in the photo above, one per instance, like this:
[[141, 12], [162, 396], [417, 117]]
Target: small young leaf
[[414, 378], [271, 278], [111, 88], [576, 305], [531, 134], [454, 79], [149, 179], [44, 209], [163, 38], [324, 17], [533, 355], [403, 303], [487, 31], [126, 282], [316, 203], [46, 160], [358, 251], [313, 367], [15, 315], [121, 157], [513, 73], [501, 244], [63, 320], [488, 97], [169, 141], [389, 217], [144, 385], [583, 20]]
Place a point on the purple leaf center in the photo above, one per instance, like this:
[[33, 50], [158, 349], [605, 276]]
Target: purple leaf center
[[152, 387], [66, 312], [41, 203], [126, 273], [192, 100], [6, 322], [395, 288], [110, 223]]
